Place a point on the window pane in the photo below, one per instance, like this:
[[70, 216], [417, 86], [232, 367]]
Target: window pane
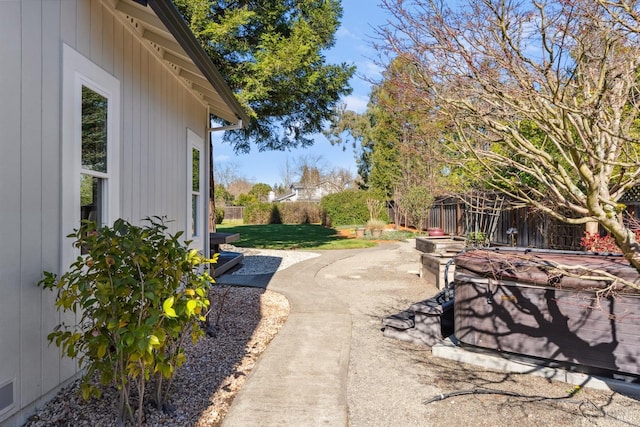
[[91, 198], [195, 161], [94, 130], [195, 216]]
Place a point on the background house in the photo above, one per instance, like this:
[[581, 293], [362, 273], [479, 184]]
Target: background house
[[105, 110], [305, 192]]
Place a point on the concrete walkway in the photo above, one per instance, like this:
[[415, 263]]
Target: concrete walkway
[[331, 366], [302, 377]]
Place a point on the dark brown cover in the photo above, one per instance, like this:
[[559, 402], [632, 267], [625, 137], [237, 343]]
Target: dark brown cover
[[508, 302], [539, 268]]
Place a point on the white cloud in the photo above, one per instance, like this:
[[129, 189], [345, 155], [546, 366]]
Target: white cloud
[[370, 69], [221, 158], [344, 33], [356, 103]]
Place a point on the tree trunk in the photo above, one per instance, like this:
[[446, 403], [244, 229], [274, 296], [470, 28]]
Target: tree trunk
[[625, 239], [591, 227]]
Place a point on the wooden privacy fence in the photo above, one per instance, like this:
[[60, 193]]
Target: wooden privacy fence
[[233, 213], [453, 216]]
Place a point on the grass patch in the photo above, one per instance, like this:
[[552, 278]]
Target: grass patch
[[292, 236], [398, 235]]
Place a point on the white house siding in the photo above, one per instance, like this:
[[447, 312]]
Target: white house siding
[[156, 111]]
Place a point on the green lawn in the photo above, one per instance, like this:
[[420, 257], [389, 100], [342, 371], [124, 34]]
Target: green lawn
[[301, 236], [292, 236]]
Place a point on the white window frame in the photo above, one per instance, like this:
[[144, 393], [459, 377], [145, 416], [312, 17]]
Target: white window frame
[[196, 142], [79, 71]]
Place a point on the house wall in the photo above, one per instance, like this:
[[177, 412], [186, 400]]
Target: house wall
[[156, 110]]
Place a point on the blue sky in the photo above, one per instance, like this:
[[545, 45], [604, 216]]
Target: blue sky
[[352, 46]]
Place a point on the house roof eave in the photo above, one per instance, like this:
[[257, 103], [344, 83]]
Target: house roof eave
[[165, 28]]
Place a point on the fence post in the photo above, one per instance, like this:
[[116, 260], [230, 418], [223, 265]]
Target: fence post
[[458, 219]]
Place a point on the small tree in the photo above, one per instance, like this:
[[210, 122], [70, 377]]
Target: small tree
[[260, 191], [540, 98], [416, 202], [222, 196], [374, 206], [139, 294]]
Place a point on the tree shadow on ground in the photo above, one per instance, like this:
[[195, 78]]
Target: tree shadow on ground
[[284, 236], [513, 398]]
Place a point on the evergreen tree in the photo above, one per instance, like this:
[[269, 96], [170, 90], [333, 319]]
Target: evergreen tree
[[270, 52]]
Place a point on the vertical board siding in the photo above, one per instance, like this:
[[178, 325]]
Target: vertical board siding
[[135, 136], [156, 112], [107, 40], [10, 83], [30, 201], [96, 35], [51, 52], [143, 199], [126, 154], [153, 132], [82, 25]]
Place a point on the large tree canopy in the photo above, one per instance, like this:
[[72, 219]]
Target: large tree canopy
[[542, 97], [270, 51], [398, 137]]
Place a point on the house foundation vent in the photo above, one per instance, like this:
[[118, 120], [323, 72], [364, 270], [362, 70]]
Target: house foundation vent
[[6, 396]]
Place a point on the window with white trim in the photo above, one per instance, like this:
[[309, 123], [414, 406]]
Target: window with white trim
[[94, 176], [195, 227], [90, 146]]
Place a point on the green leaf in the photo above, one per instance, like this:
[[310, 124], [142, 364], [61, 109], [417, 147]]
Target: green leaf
[[113, 324], [191, 306], [154, 341], [167, 307], [102, 350]]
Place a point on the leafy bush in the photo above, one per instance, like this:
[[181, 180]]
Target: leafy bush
[[260, 213], [376, 224], [477, 239], [417, 201], [246, 199], [350, 207], [260, 191], [596, 243], [282, 213], [138, 295], [300, 213], [219, 215]]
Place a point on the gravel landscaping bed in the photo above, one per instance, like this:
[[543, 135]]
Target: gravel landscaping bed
[[216, 367]]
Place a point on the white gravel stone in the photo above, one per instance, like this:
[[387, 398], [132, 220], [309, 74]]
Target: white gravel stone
[[216, 367], [264, 261]]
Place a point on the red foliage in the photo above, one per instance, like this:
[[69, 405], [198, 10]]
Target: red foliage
[[596, 243]]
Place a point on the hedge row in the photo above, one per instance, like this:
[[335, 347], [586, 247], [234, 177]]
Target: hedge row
[[350, 207], [345, 208], [282, 213]]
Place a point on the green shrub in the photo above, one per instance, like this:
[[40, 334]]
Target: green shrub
[[219, 215], [258, 213], [300, 213], [376, 224], [350, 207], [282, 213], [137, 295], [417, 202]]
